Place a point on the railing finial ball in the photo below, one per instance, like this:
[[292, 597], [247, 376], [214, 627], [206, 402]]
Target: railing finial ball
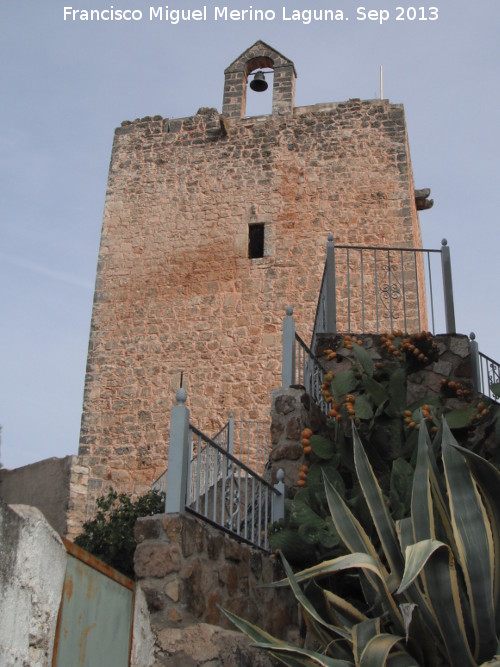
[[280, 475], [472, 335], [330, 237], [444, 242], [181, 396], [289, 311]]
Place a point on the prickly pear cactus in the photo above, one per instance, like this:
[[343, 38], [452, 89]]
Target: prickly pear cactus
[[368, 387]]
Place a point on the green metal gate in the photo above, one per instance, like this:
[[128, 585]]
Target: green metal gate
[[94, 627]]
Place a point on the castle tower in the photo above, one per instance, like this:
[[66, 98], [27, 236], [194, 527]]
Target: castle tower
[[212, 225]]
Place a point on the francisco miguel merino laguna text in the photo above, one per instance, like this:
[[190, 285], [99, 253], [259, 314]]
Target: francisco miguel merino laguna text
[[218, 13]]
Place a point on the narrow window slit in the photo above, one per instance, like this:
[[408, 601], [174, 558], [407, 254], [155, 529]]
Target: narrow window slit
[[256, 241]]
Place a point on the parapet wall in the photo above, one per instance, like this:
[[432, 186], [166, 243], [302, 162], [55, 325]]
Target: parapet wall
[[57, 487]]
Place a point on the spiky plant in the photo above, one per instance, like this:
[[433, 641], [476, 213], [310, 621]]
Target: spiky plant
[[427, 593]]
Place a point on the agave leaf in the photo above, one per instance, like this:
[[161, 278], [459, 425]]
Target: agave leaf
[[320, 625], [304, 657], [361, 635], [364, 358], [433, 561], [349, 613], [422, 514], [399, 659], [404, 529], [356, 540], [255, 633], [377, 649], [371, 567], [413, 592], [474, 541], [488, 478], [380, 514], [401, 482], [348, 527]]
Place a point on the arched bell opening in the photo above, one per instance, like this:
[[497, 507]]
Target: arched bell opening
[[260, 81], [259, 87]]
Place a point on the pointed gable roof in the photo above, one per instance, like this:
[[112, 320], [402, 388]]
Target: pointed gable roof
[[260, 50]]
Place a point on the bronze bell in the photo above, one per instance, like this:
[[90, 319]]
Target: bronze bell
[[258, 83]]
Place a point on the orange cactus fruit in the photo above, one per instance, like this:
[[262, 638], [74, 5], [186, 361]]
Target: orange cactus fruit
[[301, 482], [350, 398], [332, 413], [302, 475], [307, 449], [304, 468], [305, 442], [306, 433]]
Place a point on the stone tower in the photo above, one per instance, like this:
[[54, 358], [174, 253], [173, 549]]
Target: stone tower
[[213, 224]]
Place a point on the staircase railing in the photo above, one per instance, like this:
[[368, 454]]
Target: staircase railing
[[217, 486]]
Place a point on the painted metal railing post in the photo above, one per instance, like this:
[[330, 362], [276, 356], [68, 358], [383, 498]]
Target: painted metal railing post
[[230, 434], [178, 456], [449, 307], [278, 501], [288, 350], [331, 296], [475, 362]]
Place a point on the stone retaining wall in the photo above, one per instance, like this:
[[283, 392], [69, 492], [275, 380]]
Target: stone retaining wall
[[189, 570]]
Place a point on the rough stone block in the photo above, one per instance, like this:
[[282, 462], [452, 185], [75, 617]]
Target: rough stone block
[[156, 560]]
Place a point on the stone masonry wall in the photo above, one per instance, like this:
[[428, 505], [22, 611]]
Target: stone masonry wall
[[189, 569], [176, 290]]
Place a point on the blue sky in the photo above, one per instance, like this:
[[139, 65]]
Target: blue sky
[[67, 84]]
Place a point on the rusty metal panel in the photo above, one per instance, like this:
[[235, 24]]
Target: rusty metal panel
[[95, 618]]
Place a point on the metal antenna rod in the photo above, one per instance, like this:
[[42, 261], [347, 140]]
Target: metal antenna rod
[[381, 83]]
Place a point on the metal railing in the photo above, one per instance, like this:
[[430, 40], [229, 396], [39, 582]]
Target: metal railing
[[374, 289], [226, 492], [246, 439], [485, 371], [204, 478], [300, 367]]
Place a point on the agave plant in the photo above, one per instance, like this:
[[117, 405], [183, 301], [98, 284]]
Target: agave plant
[[431, 583]]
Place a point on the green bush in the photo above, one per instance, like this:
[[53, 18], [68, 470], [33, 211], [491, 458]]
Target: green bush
[[110, 535]]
